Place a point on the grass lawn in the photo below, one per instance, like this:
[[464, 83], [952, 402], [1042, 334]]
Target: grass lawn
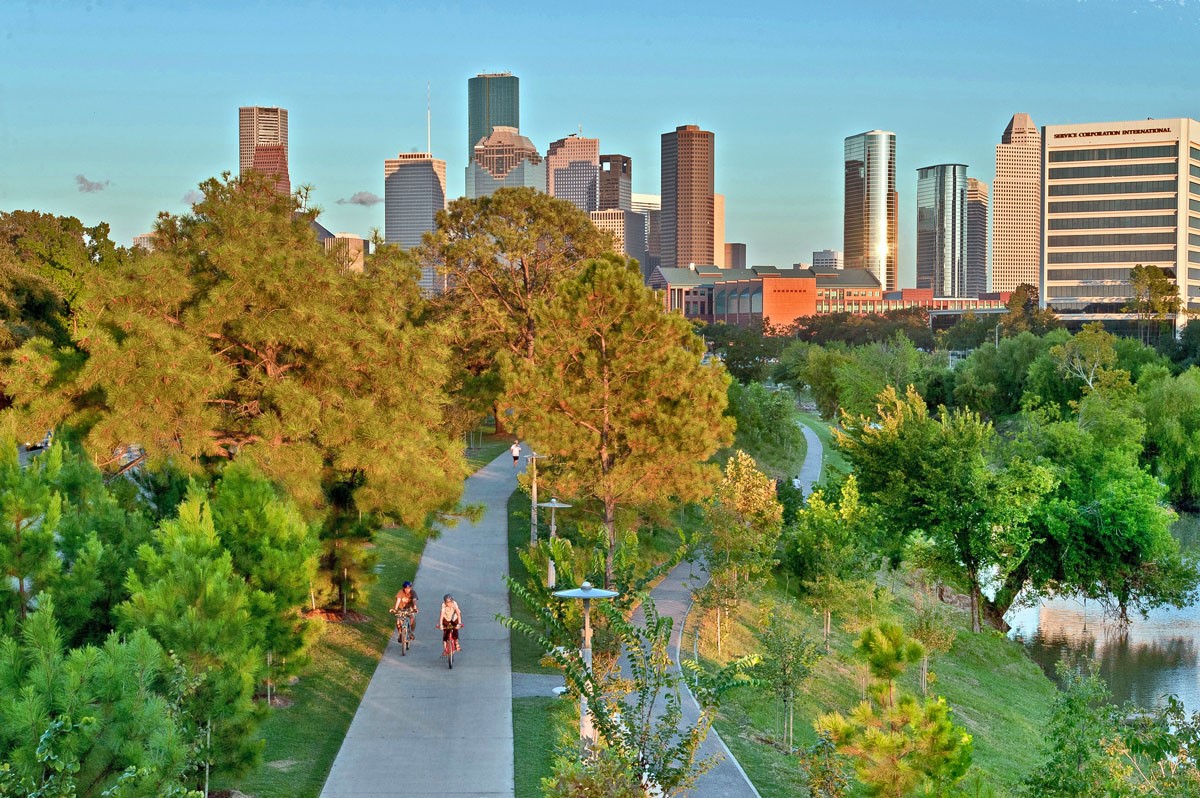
[[997, 693], [538, 724], [492, 447]]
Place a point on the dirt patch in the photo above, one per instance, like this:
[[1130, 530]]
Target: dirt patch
[[332, 616], [283, 765], [229, 794]]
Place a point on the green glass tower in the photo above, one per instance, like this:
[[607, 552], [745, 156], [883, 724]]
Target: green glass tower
[[492, 99]]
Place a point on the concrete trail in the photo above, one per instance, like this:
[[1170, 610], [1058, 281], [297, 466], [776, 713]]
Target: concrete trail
[[423, 730]]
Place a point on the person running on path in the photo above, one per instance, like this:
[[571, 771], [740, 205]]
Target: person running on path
[[450, 620], [406, 599], [516, 452]]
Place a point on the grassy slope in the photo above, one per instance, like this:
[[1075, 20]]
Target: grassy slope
[[998, 694], [538, 724], [303, 739]]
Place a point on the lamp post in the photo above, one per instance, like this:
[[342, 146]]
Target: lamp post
[[587, 732], [553, 504], [533, 456]]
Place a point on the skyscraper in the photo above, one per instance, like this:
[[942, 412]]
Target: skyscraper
[[651, 206], [1017, 206], [735, 255], [628, 230], [686, 232], [870, 229], [505, 159], [573, 171], [942, 229], [719, 231], [977, 237], [1118, 195], [828, 259], [414, 190], [492, 99], [616, 182], [263, 143]]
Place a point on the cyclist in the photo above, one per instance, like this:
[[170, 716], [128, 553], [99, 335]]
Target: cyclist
[[406, 599], [450, 621]]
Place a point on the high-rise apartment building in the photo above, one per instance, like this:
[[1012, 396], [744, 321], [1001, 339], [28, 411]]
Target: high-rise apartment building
[[828, 260], [616, 182], [735, 256], [977, 238], [651, 206], [573, 171], [1118, 195], [686, 233], [942, 229], [1017, 206], [871, 217], [492, 99], [505, 159], [263, 143], [349, 250], [414, 190]]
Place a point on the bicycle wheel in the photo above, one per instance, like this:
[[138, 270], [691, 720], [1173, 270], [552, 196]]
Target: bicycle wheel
[[404, 637]]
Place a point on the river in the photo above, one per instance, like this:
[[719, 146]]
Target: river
[[1142, 662]]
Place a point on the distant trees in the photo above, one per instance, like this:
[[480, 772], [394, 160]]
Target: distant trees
[[1155, 298]]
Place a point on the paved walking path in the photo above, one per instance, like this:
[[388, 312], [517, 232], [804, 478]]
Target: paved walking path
[[452, 729], [673, 598]]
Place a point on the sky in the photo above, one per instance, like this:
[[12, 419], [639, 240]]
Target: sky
[[116, 111]]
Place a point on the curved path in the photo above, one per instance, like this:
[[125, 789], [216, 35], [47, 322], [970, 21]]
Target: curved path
[[422, 730], [673, 598]]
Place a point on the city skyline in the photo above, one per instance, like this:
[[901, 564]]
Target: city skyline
[[120, 141]]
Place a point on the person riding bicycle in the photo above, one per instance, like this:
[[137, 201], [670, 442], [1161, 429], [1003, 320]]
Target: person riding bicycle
[[406, 599], [450, 620]]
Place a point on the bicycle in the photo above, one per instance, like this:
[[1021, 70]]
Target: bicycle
[[404, 633], [450, 643]]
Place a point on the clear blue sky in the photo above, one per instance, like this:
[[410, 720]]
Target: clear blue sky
[[141, 98]]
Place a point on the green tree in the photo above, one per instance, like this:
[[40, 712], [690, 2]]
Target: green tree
[[239, 337], [785, 665], [813, 369], [1088, 353], [1103, 532], [187, 595], [275, 551], [1026, 315], [30, 510], [1155, 300], [498, 256], [617, 396], [1172, 412], [872, 369], [105, 719], [887, 652], [768, 427], [933, 630], [827, 549], [746, 350], [994, 380]]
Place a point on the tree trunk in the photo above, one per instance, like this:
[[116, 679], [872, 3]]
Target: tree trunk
[[500, 428], [828, 619], [610, 527]]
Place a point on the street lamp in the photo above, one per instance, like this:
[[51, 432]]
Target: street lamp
[[553, 504], [533, 456], [587, 732]]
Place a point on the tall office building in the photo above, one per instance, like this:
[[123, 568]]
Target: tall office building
[[492, 99], [828, 260], [628, 230], [349, 250], [871, 217], [1118, 194], [505, 159], [977, 237], [616, 182], [573, 171], [1017, 206], [942, 229], [414, 190], [686, 232], [651, 206], [735, 256], [719, 231], [263, 143]]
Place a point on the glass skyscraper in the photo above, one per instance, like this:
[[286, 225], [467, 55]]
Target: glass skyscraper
[[492, 99], [871, 205], [942, 229]]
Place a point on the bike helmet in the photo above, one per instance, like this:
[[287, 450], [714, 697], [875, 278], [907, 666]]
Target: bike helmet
[[407, 584], [447, 597]]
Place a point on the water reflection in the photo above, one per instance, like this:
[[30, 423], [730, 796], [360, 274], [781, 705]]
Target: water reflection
[[1141, 662]]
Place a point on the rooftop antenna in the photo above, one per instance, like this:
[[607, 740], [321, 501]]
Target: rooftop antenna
[[428, 118]]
